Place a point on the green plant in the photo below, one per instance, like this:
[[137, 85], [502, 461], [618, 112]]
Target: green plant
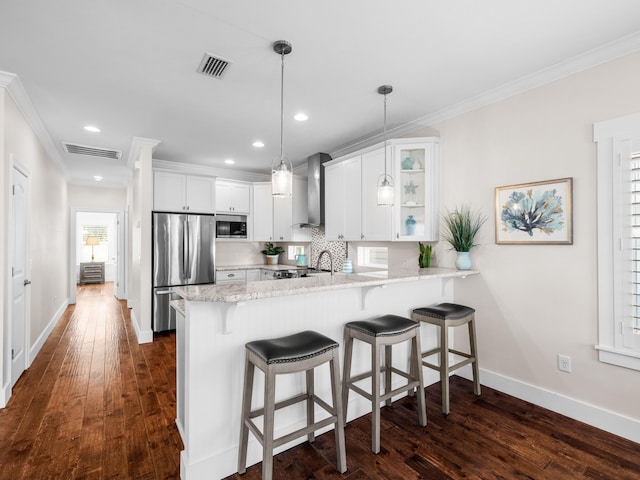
[[461, 227], [271, 249], [424, 259]]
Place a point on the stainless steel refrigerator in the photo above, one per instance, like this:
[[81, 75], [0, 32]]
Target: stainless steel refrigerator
[[183, 254]]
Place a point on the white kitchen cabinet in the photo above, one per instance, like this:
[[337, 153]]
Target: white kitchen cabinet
[[277, 219], [416, 207], [343, 200], [282, 218], [233, 197], [351, 188], [376, 222], [229, 277], [266, 274], [177, 192], [262, 213], [351, 202], [254, 274]]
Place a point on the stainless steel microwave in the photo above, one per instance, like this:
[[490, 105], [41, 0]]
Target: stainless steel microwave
[[231, 226]]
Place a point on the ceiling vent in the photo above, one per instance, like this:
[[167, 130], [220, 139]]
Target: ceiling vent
[[213, 66], [91, 151]]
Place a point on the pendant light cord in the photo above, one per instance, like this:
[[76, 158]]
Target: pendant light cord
[[282, 106], [385, 135]]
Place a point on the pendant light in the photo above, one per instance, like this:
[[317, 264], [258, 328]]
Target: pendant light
[[385, 182], [281, 169]]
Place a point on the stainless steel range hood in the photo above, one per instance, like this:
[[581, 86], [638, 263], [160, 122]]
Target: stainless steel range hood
[[315, 189]]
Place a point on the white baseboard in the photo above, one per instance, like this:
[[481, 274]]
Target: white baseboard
[[39, 343], [5, 394], [143, 336], [606, 420]]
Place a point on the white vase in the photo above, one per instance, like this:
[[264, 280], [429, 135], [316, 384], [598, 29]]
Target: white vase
[[463, 261], [272, 259]]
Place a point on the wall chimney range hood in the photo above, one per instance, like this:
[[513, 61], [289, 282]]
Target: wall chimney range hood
[[315, 189]]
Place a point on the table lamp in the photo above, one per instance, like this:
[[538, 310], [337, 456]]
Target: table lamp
[[93, 241]]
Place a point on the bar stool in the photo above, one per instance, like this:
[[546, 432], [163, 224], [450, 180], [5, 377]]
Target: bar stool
[[386, 331], [301, 352], [447, 315]]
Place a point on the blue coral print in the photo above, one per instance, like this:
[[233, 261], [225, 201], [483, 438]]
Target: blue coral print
[[535, 209]]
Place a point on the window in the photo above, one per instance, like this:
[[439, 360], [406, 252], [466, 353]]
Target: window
[[618, 176], [101, 226], [375, 257]]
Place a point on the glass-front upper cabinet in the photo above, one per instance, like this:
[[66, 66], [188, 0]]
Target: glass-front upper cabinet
[[416, 209]]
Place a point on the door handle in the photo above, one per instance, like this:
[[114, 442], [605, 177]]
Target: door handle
[[27, 282]]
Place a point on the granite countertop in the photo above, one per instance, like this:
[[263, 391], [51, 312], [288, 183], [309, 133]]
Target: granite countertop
[[319, 282], [179, 306], [263, 266]]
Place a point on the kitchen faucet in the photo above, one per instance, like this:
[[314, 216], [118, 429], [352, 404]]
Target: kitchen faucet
[[330, 259]]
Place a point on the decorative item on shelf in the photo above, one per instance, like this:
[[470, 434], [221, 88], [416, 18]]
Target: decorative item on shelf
[[410, 188], [424, 259], [281, 168], [93, 241], [410, 222], [385, 182], [408, 163], [347, 266], [460, 228], [272, 253]]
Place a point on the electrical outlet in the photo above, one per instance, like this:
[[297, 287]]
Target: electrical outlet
[[564, 363]]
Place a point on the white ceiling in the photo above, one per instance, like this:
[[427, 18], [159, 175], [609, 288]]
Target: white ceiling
[[129, 67]]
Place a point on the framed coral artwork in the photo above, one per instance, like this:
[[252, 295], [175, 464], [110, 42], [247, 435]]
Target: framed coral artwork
[[535, 213]]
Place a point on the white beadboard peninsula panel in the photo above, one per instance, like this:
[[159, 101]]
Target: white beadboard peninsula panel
[[213, 368]]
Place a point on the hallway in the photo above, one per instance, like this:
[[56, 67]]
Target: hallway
[[94, 403]]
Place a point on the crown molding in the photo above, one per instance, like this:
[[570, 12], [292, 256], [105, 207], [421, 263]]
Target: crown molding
[[137, 144], [11, 82], [597, 56], [221, 173]]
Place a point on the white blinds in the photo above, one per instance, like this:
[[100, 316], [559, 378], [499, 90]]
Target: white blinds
[[631, 326]]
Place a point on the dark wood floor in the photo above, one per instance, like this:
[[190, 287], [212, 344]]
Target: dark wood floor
[[96, 405]]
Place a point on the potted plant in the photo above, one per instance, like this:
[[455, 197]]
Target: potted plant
[[272, 252], [424, 258], [460, 228]]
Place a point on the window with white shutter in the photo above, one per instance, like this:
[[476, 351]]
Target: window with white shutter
[[618, 178]]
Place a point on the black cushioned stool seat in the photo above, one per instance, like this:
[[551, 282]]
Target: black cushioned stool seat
[[386, 331], [301, 352], [446, 315]]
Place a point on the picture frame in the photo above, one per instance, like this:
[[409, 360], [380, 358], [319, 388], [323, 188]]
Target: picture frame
[[536, 213]]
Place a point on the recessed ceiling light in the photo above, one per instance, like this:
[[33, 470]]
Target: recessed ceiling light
[[301, 117], [91, 128], [229, 161], [258, 144], [97, 178]]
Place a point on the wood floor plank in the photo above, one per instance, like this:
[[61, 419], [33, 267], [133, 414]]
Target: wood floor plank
[[97, 405]]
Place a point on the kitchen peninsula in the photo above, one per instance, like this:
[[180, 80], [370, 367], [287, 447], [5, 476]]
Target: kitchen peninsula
[[215, 322]]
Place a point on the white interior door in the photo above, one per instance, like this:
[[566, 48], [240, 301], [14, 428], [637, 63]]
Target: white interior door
[[19, 280]]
